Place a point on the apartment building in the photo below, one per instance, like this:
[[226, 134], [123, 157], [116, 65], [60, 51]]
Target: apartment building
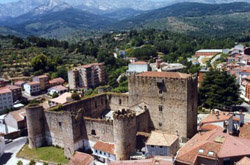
[[32, 88], [87, 76], [6, 99], [16, 92]]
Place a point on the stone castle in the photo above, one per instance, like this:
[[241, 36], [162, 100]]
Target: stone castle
[[156, 101]]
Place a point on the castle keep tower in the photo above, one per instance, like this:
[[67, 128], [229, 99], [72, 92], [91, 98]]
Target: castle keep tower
[[35, 125], [171, 98], [124, 133]]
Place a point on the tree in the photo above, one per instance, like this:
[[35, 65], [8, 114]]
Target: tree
[[19, 162], [75, 96], [219, 90], [32, 162], [55, 94], [39, 62]]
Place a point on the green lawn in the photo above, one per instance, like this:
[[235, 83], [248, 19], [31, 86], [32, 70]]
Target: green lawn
[[48, 154]]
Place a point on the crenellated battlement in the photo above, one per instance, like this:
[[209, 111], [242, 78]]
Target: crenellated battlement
[[124, 114]]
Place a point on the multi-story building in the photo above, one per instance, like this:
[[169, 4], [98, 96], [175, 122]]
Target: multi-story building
[[2, 145], [138, 67], [6, 99], [32, 88], [87, 76], [16, 92], [44, 81]]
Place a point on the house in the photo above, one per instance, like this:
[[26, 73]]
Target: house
[[16, 92], [20, 84], [56, 82], [2, 145], [213, 147], [104, 152], [43, 80], [80, 158], [231, 122], [162, 144], [32, 88], [87, 76], [6, 99], [62, 99], [16, 119], [208, 52], [58, 89], [157, 160], [138, 67]]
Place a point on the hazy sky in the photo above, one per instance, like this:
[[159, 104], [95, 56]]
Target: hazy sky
[[6, 1]]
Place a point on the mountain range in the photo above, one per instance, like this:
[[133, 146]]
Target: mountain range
[[61, 19]]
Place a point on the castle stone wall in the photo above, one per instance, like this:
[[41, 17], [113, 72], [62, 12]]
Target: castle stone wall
[[98, 129], [118, 101], [35, 125]]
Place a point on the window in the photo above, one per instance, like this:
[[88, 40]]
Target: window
[[161, 147], [201, 151], [160, 124], [95, 104], [60, 124], [152, 146], [120, 101], [105, 153], [160, 108], [93, 132], [160, 91]]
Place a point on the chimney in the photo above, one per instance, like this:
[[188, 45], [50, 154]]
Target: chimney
[[157, 63], [217, 114]]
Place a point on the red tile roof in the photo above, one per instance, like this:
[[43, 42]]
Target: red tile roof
[[221, 144], [139, 63], [90, 65], [213, 117], [19, 82], [157, 160], [42, 76], [105, 147], [209, 127], [59, 88], [57, 81], [80, 158], [165, 75], [33, 83], [244, 161], [4, 90], [18, 115], [245, 131], [12, 87]]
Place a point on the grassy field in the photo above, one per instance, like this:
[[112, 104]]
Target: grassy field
[[47, 154]]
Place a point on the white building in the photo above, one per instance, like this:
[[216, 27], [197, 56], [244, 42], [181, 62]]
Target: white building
[[162, 144], [6, 99], [2, 145], [104, 152], [32, 88], [58, 89], [138, 67]]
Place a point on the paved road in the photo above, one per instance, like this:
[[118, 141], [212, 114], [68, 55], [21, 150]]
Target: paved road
[[11, 149]]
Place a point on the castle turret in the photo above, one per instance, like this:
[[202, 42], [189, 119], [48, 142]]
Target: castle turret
[[35, 125], [124, 133]]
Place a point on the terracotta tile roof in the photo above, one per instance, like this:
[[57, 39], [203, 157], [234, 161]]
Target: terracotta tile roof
[[221, 144], [245, 131], [57, 81], [59, 88], [19, 82], [33, 83], [244, 161], [158, 160], [209, 127], [213, 117], [18, 115], [80, 158], [62, 99], [90, 65], [42, 76], [12, 87], [139, 63], [165, 75], [4, 90], [105, 147], [158, 138]]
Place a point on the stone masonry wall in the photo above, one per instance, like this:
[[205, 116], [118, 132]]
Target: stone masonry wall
[[167, 101]]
